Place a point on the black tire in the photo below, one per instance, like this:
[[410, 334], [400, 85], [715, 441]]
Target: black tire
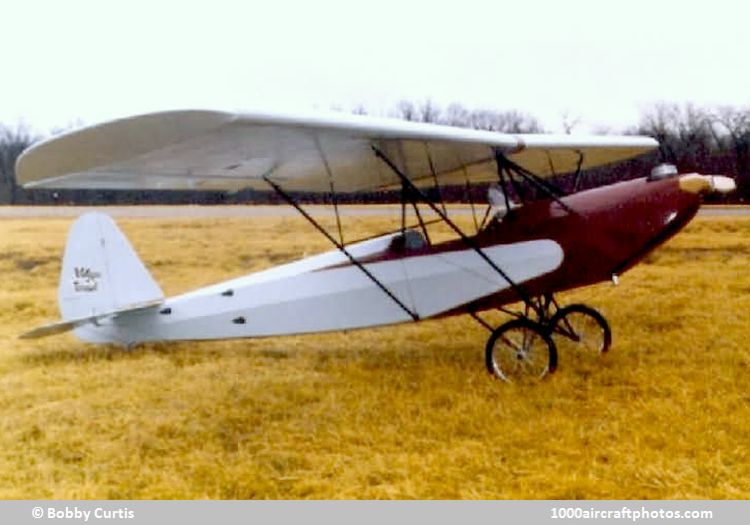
[[520, 351], [571, 321]]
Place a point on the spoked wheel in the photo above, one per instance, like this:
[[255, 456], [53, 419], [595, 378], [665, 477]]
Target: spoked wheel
[[581, 328], [520, 351]]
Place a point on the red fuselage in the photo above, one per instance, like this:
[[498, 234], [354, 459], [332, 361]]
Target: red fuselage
[[606, 232], [612, 228]]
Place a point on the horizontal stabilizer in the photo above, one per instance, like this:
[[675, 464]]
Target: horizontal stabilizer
[[71, 324]]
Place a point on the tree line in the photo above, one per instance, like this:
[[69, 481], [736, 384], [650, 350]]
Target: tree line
[[702, 139]]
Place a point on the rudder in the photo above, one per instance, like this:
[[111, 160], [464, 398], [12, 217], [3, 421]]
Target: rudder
[[101, 272]]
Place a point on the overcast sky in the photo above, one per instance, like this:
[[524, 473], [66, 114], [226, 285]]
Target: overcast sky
[[71, 61]]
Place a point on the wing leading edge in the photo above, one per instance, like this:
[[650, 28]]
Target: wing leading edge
[[208, 150]]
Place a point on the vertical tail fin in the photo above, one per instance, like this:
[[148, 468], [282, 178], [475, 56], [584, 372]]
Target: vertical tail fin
[[101, 273], [101, 277]]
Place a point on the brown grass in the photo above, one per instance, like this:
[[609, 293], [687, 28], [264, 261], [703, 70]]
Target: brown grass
[[404, 412]]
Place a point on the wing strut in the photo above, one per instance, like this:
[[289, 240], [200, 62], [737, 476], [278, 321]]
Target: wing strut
[[289, 199], [324, 159], [435, 177], [468, 241]]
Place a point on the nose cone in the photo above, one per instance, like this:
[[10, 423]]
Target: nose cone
[[697, 183], [723, 184]]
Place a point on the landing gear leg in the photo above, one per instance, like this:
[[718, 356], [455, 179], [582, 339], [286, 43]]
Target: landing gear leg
[[526, 348]]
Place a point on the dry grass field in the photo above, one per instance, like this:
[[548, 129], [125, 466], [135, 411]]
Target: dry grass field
[[400, 412]]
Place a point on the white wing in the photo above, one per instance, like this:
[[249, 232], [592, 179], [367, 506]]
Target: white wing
[[306, 152]]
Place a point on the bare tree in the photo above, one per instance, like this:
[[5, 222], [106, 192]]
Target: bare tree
[[12, 143], [504, 121], [406, 110], [731, 129], [684, 133], [457, 115], [429, 112], [485, 119], [569, 122], [491, 120], [657, 122], [694, 132]]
